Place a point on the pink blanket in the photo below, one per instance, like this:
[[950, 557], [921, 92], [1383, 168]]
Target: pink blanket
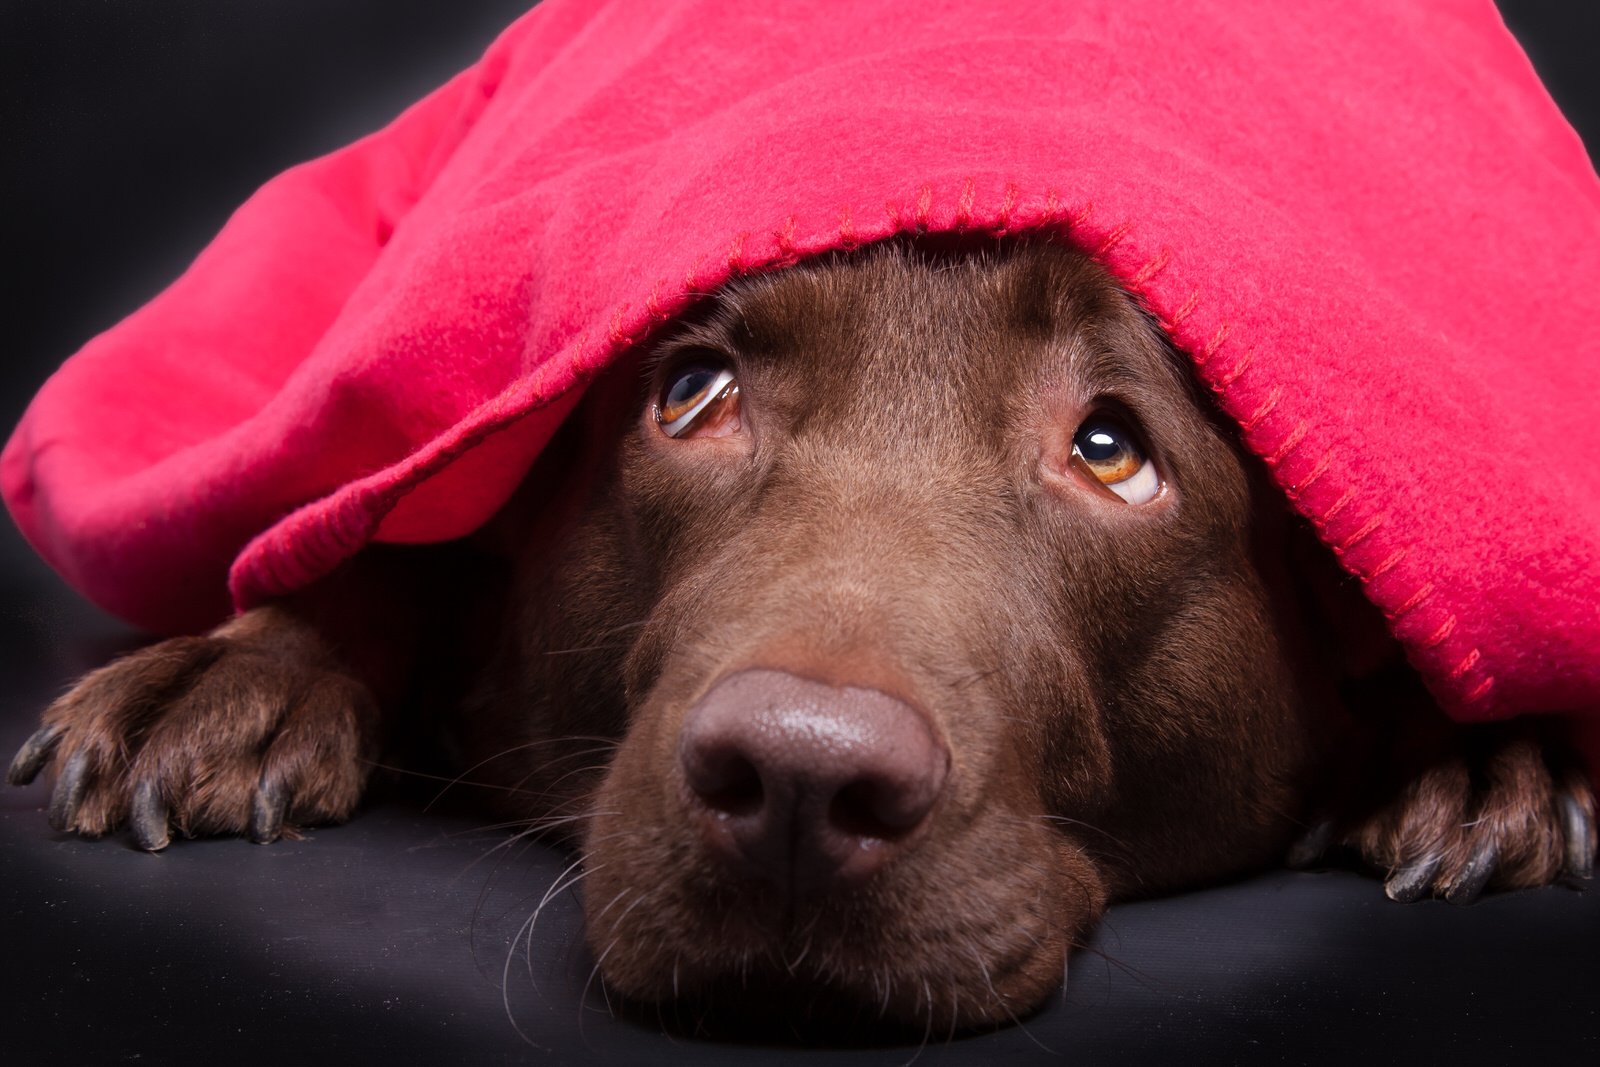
[[1365, 221]]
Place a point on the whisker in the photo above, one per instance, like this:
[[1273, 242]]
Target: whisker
[[1068, 821], [505, 991], [462, 778], [525, 835], [927, 1031], [449, 779], [587, 648], [988, 980]]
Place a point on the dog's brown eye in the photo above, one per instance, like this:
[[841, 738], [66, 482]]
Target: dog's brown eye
[[1110, 452], [702, 396]]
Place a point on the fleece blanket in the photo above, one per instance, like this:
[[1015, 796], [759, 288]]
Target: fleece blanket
[[1365, 221]]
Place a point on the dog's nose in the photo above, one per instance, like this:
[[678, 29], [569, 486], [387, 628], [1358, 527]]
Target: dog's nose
[[807, 784]]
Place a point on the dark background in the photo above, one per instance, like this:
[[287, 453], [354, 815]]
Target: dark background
[[131, 129]]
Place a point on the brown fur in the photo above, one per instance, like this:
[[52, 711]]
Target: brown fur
[[1134, 698]]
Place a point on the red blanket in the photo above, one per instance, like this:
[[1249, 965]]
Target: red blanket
[[1366, 222]]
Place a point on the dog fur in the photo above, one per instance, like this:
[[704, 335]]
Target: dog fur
[[1128, 698]]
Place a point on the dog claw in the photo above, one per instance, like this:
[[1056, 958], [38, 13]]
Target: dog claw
[[148, 816], [1410, 883], [34, 754], [68, 794], [1578, 826], [1466, 886], [1312, 847], [266, 818]]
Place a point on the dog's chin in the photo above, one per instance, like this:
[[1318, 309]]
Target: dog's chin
[[907, 953]]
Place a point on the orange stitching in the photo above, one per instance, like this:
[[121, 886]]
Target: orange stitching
[[1238, 370], [1422, 593], [1250, 424], [1469, 661], [652, 303], [1052, 206], [1155, 265], [1370, 525], [689, 282], [616, 334], [1481, 691], [1316, 472], [1186, 308], [924, 205], [1338, 505], [1211, 347], [1387, 565], [847, 229], [969, 192], [1113, 239], [1295, 437], [1445, 630], [736, 253], [784, 238], [1077, 220], [1007, 206]]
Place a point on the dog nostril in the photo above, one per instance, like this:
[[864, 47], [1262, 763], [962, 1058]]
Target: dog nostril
[[728, 783], [870, 808], [806, 784]]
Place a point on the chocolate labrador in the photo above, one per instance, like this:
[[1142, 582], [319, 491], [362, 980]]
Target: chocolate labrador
[[895, 613]]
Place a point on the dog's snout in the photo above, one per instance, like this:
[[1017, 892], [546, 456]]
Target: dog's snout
[[807, 784]]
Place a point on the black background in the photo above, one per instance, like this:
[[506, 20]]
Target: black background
[[131, 130]]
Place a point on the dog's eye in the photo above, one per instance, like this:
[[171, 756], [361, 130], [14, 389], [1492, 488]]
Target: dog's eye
[[1110, 452], [702, 396]]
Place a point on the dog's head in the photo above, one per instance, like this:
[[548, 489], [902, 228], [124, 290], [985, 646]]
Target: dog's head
[[931, 605]]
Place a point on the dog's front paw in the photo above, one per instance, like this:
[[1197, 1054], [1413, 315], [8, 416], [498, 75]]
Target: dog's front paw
[[250, 729], [1495, 806]]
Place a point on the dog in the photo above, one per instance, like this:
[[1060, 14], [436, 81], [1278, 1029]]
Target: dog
[[865, 637]]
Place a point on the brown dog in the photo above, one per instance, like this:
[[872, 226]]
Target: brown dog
[[915, 605]]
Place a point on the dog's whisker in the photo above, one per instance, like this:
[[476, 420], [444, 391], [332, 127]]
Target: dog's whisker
[[1002, 1001], [927, 1031], [590, 769], [525, 835], [584, 648], [1065, 820], [463, 777], [562, 883], [450, 780]]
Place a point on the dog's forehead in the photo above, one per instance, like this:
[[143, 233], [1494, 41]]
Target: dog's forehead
[[960, 326]]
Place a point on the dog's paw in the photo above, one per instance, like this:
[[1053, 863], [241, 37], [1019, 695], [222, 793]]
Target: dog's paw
[[250, 729], [1494, 807]]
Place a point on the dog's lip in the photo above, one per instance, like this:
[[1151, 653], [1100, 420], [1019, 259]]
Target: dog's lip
[[842, 950]]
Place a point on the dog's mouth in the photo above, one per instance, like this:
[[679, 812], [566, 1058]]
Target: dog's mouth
[[969, 932]]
